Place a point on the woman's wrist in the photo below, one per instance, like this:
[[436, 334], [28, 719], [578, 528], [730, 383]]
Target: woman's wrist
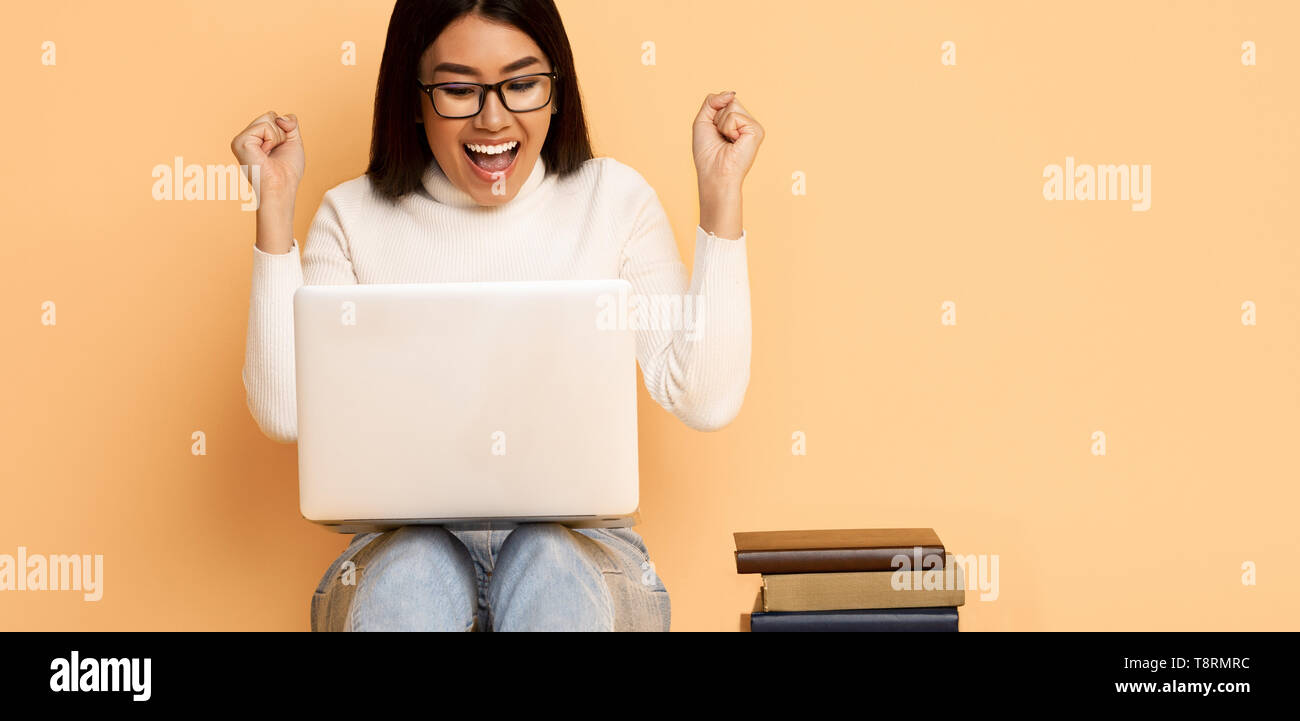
[[721, 210], [275, 226]]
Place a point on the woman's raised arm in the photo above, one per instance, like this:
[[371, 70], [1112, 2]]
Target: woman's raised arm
[[270, 150]]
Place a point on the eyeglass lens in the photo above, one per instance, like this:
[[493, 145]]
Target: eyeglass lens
[[521, 96]]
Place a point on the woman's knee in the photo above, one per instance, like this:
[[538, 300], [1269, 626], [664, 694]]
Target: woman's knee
[[542, 547], [549, 578], [417, 578], [538, 537]]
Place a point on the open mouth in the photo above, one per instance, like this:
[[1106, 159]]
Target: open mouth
[[492, 158]]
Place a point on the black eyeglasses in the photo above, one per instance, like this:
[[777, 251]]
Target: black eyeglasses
[[521, 94]]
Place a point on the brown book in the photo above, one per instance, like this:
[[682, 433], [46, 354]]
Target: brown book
[[862, 590], [824, 551]]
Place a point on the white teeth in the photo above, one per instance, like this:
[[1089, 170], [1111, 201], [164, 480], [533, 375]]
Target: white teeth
[[492, 149]]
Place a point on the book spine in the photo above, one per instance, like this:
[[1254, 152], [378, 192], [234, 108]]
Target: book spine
[[923, 620], [830, 560], [853, 591]]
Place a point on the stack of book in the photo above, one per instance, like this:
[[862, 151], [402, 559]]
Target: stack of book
[[873, 579]]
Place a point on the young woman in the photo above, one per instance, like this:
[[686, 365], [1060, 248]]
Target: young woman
[[481, 170]]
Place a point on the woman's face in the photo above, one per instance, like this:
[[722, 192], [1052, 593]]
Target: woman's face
[[477, 50]]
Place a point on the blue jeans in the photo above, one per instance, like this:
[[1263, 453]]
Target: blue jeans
[[530, 577]]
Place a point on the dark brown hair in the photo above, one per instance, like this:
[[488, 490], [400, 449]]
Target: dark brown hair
[[399, 150]]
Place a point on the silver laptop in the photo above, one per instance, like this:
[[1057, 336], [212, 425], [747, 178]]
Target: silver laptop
[[466, 403]]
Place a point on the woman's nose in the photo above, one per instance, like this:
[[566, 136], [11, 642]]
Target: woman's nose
[[494, 114]]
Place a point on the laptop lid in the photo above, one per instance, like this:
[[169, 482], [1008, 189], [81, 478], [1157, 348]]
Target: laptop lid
[[460, 402]]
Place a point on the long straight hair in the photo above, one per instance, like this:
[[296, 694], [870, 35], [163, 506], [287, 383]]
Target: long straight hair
[[399, 150]]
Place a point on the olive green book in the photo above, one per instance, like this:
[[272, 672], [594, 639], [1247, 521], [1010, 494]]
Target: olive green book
[[864, 589]]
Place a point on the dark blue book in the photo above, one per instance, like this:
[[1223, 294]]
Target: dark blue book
[[875, 619]]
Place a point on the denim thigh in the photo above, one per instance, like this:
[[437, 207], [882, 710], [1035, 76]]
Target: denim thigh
[[332, 598], [639, 595]]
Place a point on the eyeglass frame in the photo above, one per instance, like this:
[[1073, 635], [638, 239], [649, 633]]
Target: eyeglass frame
[[492, 87]]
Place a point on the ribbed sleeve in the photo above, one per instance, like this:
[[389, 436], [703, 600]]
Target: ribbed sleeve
[[694, 363], [269, 371]]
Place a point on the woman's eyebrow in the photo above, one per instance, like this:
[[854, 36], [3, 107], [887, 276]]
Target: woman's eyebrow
[[467, 70]]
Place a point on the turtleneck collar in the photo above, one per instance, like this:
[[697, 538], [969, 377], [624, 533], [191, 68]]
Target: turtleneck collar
[[440, 187]]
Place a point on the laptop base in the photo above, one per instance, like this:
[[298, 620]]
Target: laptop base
[[481, 524]]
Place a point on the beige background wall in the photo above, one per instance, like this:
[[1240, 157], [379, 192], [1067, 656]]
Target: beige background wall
[[924, 185]]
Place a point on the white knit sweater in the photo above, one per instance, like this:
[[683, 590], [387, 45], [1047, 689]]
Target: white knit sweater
[[603, 221]]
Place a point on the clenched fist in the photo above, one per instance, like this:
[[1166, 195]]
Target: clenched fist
[[725, 139], [273, 144]]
